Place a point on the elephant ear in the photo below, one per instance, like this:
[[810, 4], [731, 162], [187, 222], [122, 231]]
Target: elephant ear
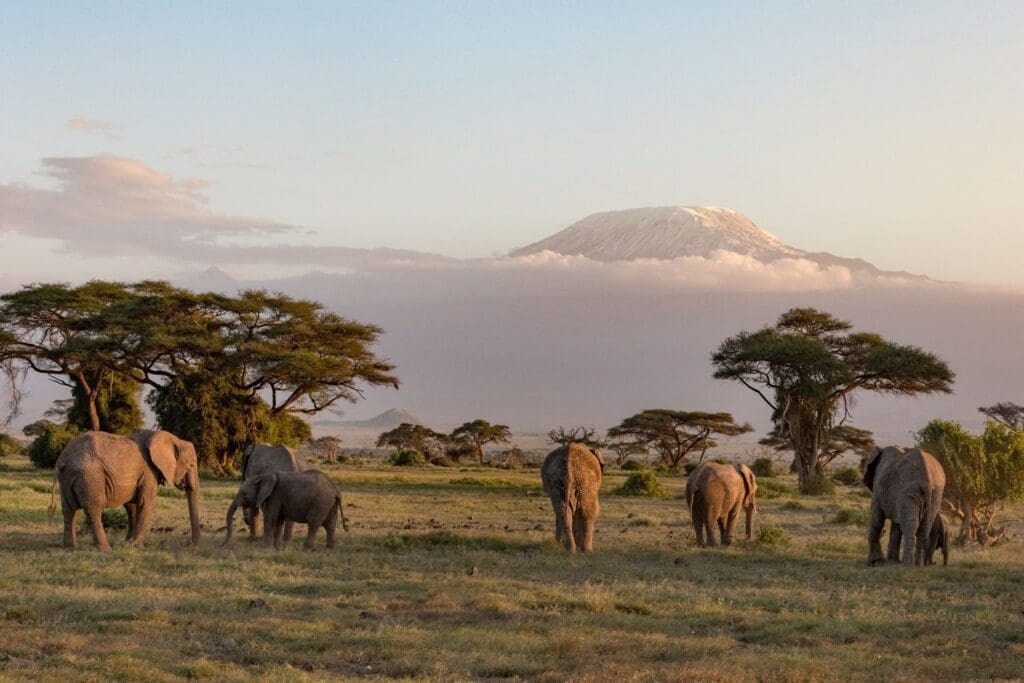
[[749, 485], [600, 460], [871, 467], [266, 487], [246, 456], [161, 450]]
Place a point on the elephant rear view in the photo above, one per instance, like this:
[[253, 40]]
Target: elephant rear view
[[907, 487], [572, 478], [715, 494], [262, 459], [97, 470]]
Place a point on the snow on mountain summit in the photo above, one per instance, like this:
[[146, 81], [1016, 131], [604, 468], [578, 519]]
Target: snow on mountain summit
[[664, 233]]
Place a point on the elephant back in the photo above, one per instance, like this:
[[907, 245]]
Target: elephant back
[[571, 465], [264, 458]]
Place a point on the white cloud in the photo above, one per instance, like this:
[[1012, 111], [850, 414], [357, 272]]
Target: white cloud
[[85, 125]]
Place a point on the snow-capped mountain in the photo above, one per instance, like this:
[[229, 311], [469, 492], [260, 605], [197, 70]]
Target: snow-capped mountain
[[669, 232]]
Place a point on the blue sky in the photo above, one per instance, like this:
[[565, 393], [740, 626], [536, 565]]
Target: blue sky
[[866, 129]]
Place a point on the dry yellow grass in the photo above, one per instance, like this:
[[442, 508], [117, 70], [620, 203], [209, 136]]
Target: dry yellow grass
[[400, 596]]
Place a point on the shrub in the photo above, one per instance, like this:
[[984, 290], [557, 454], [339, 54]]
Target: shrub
[[113, 518], [721, 461], [442, 461], [633, 466], [819, 486], [407, 457], [763, 467], [849, 476], [794, 506], [8, 446], [689, 467], [850, 516], [770, 489], [771, 534], [644, 483], [46, 447]]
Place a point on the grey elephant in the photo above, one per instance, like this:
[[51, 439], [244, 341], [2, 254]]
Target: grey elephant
[[308, 497], [261, 459], [939, 538], [906, 487], [572, 478], [715, 495], [97, 470]]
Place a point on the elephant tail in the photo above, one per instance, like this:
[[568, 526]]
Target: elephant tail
[[341, 512], [51, 512]]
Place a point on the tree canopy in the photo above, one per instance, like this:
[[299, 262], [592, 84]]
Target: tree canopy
[[480, 433], [1006, 413], [808, 367], [563, 436], [674, 434], [417, 437]]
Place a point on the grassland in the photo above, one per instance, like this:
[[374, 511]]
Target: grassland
[[452, 574]]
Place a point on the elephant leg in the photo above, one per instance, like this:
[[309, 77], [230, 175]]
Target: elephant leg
[[875, 527], [579, 530], [288, 527], [130, 509], [730, 526], [310, 535], [588, 534], [269, 525], [70, 541], [143, 520], [568, 532], [559, 509], [279, 534], [698, 524], [254, 527], [722, 535], [98, 533], [709, 528], [912, 545], [330, 526], [895, 539]]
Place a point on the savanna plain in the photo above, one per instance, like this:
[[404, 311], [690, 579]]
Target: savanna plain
[[452, 573]]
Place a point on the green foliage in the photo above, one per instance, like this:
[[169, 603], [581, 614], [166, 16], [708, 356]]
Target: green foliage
[[848, 476], [442, 461], [407, 457], [808, 366], [818, 486], [47, 446], [113, 518], [770, 489], [417, 437], [674, 434], [770, 534], [857, 516], [763, 467], [643, 483], [633, 466], [981, 472], [9, 446], [117, 403]]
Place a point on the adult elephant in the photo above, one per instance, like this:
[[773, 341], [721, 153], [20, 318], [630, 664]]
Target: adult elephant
[[572, 479], [715, 494], [906, 487], [97, 470], [260, 459]]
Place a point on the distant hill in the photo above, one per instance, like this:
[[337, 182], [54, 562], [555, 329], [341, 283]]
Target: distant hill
[[389, 419]]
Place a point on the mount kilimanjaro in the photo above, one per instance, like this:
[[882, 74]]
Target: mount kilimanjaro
[[670, 232]]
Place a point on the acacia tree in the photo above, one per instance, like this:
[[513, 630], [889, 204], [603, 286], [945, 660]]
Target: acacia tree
[[674, 434], [982, 471], [1006, 413], [480, 433], [563, 436], [808, 368], [418, 437]]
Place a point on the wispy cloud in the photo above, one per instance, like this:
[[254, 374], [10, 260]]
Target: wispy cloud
[[84, 125], [219, 156]]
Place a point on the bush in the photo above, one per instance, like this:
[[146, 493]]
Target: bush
[[763, 467], [46, 447], [721, 461], [689, 467], [771, 534], [113, 518], [442, 461], [8, 446], [848, 476], [794, 506], [850, 516], [407, 457], [770, 489], [819, 486], [643, 483], [633, 466]]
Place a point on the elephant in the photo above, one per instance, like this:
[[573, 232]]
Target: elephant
[[97, 470], [308, 497], [906, 486], [261, 459], [572, 478], [938, 539], [715, 493]]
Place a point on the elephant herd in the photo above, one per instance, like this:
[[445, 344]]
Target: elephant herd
[[97, 470]]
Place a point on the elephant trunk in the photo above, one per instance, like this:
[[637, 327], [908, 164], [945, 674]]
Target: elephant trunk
[[193, 510], [230, 522]]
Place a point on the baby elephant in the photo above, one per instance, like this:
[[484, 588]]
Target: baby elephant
[[938, 539], [307, 497]]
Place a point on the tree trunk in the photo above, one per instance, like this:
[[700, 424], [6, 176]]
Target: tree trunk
[[94, 414], [809, 471]]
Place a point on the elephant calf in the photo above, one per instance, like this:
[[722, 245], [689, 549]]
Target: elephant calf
[[715, 493], [572, 478], [938, 539], [261, 459], [307, 497]]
